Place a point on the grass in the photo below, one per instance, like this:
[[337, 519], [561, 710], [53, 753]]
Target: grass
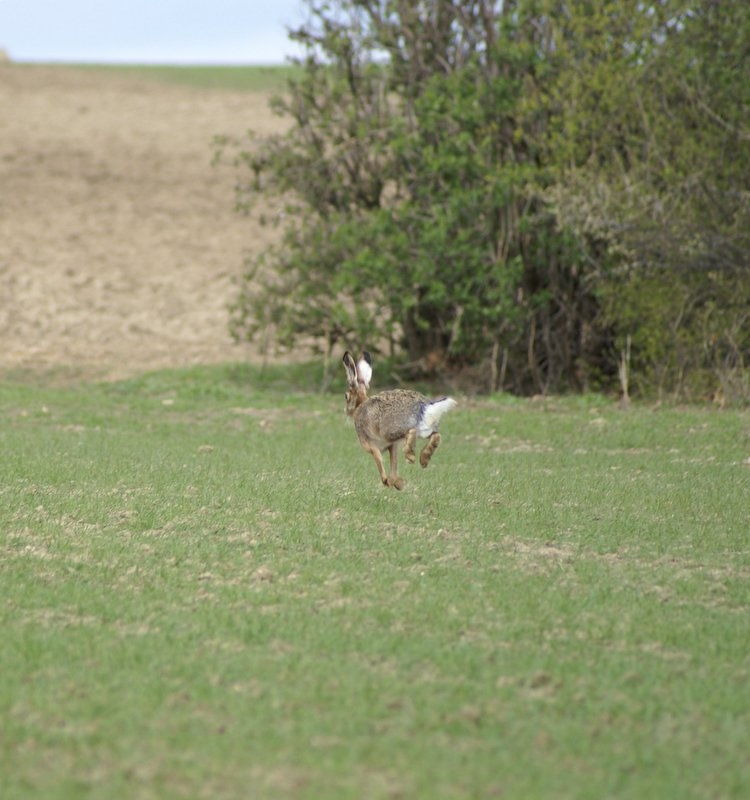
[[248, 78], [207, 593]]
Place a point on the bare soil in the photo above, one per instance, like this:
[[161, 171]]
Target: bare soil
[[119, 242]]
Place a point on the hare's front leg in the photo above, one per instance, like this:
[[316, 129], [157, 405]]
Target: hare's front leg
[[375, 453], [386, 480], [393, 479], [429, 449]]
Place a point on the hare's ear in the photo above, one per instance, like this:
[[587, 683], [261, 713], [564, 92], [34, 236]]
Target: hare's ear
[[364, 369], [351, 368]]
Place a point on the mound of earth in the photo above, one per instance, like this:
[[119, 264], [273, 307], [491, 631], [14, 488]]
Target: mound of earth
[[119, 242]]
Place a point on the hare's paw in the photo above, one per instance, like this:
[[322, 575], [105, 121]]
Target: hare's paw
[[397, 483]]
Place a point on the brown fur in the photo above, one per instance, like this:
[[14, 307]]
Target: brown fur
[[383, 421]]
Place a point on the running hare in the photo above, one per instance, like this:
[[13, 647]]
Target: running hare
[[387, 418]]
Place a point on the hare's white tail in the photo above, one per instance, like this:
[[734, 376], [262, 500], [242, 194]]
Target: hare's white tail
[[432, 413]]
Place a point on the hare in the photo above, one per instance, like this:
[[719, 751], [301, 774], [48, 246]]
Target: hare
[[384, 420]]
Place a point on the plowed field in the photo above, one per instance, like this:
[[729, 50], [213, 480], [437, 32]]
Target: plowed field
[[119, 242]]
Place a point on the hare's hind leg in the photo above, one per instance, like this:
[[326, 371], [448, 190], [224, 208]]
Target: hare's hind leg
[[411, 440], [394, 479], [429, 449]]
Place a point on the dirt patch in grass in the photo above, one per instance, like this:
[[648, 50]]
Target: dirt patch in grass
[[119, 242]]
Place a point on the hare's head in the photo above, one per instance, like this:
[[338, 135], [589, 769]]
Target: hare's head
[[358, 375]]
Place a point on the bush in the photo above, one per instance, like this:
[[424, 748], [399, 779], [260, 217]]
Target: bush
[[442, 179]]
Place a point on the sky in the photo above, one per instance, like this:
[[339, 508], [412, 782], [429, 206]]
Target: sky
[[149, 31]]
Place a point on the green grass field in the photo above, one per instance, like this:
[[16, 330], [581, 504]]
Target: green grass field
[[206, 593], [250, 78]]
